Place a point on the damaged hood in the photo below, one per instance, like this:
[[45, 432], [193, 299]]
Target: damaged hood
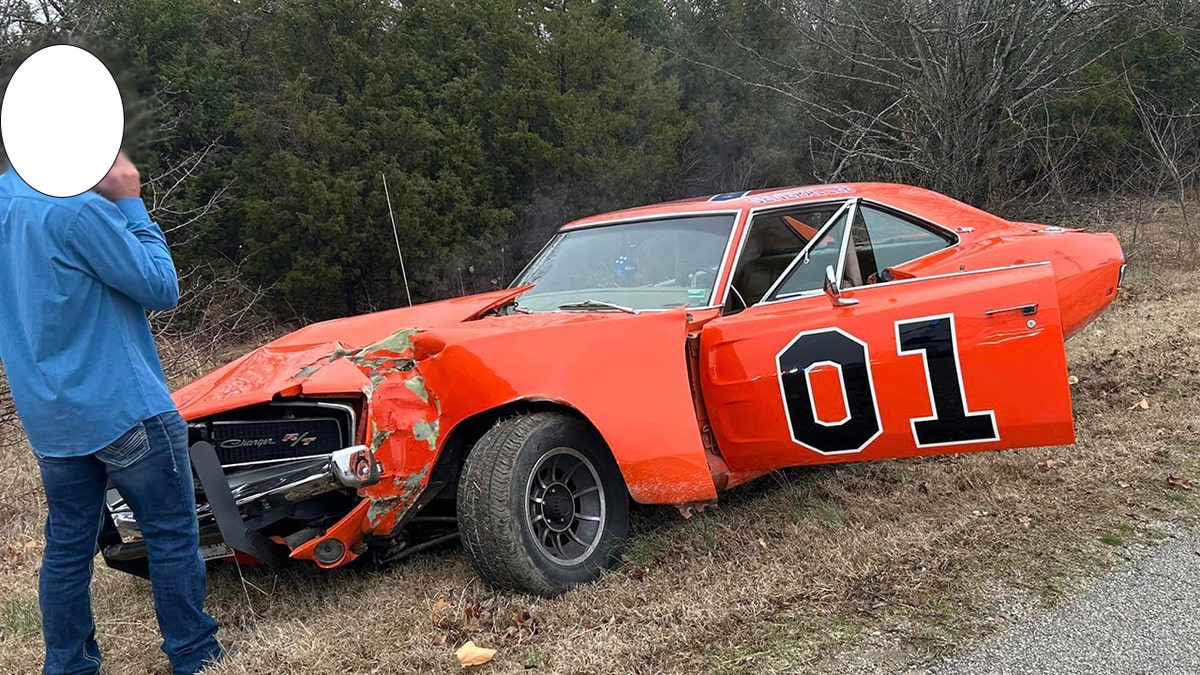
[[273, 369]]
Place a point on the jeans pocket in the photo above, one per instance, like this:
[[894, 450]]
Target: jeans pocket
[[127, 449]]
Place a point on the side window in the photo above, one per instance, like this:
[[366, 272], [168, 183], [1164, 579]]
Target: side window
[[772, 244], [808, 272], [883, 240]]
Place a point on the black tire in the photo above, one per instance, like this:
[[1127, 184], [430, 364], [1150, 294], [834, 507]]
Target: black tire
[[516, 542]]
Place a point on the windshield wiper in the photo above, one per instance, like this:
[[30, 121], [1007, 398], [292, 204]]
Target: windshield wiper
[[597, 304]]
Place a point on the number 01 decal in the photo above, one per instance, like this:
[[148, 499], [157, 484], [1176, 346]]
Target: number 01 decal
[[932, 338]]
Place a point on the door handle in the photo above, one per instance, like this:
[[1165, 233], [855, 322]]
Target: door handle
[[1025, 310]]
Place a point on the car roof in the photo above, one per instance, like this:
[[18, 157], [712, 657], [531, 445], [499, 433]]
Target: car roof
[[926, 204]]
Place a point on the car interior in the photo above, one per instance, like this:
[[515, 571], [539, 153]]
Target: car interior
[[881, 240], [775, 239]]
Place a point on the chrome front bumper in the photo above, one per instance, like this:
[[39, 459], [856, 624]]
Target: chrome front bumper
[[353, 467], [277, 486]]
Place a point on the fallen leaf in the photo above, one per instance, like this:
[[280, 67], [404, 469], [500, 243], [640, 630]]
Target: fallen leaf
[[762, 544], [1140, 405], [523, 619], [1025, 521], [473, 610], [1072, 380], [1047, 464], [1122, 483], [470, 655], [441, 604], [1180, 481]]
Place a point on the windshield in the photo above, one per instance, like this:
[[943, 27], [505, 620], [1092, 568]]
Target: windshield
[[649, 264]]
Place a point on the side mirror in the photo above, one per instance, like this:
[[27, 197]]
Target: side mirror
[[834, 291]]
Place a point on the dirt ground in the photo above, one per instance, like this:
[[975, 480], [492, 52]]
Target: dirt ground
[[879, 566]]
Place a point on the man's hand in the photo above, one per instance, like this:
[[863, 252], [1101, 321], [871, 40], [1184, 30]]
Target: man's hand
[[122, 181]]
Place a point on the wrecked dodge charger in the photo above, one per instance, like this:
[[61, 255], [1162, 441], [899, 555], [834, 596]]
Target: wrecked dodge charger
[[658, 355]]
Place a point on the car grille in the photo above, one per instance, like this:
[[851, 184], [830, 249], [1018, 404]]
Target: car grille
[[279, 432]]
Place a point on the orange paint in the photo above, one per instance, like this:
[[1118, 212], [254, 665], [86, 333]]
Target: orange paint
[[426, 374], [829, 395]]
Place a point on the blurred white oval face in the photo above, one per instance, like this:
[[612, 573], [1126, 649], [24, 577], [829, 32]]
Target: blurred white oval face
[[62, 121]]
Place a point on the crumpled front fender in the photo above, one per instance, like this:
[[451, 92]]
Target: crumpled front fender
[[627, 374]]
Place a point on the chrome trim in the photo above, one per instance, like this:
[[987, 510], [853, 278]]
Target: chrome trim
[[832, 289], [661, 216], [1025, 310], [352, 467], [921, 221], [749, 225], [803, 254], [951, 232], [350, 435], [274, 462], [739, 221], [733, 232], [955, 240], [349, 409], [558, 233], [843, 249], [341, 469], [355, 466], [897, 282]]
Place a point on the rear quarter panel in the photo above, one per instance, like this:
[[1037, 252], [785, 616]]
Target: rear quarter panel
[[1087, 265]]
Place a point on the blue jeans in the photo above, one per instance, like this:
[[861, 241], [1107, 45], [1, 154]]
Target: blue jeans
[[150, 468]]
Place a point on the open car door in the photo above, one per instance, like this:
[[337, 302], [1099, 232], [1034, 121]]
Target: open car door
[[954, 363]]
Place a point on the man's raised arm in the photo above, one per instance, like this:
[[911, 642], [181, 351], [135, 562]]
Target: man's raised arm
[[121, 245]]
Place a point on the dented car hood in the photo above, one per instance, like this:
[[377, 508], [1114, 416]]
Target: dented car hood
[[286, 366]]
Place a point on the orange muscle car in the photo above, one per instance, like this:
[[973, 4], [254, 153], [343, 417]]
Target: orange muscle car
[[661, 354]]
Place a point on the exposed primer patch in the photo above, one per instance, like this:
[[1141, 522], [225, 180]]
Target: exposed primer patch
[[417, 386], [308, 371], [391, 361], [379, 507], [377, 360], [409, 488], [428, 432], [378, 436], [397, 343], [412, 481]]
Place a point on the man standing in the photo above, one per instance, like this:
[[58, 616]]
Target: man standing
[[77, 275]]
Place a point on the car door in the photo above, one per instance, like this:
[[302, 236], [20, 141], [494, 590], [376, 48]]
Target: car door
[[953, 363]]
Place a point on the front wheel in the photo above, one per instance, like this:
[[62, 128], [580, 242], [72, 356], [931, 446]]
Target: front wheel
[[541, 504]]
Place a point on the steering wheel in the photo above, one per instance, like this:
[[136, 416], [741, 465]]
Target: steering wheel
[[693, 277]]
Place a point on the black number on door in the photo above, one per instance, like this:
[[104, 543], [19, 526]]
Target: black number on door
[[829, 346], [934, 339]]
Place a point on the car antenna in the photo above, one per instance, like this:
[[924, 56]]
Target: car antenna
[[396, 233]]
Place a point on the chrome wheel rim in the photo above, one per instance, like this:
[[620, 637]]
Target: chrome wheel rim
[[565, 506]]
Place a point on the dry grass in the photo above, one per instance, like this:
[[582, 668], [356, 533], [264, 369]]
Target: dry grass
[[873, 566]]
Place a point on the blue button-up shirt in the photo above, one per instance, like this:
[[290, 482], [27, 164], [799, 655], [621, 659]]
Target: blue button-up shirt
[[77, 275]]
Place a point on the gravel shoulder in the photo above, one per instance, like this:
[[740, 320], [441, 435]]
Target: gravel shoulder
[[1140, 619]]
